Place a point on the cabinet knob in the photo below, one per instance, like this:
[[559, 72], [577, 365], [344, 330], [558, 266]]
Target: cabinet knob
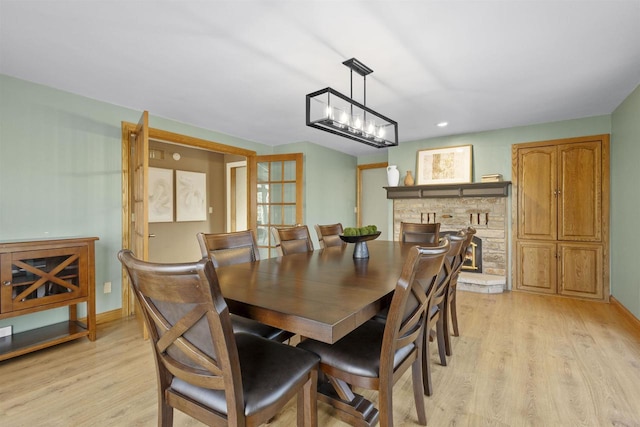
[[152, 235], [7, 283]]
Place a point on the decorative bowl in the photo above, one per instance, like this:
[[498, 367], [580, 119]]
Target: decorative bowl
[[360, 250], [356, 239]]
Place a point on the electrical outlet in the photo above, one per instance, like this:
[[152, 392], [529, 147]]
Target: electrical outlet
[[6, 331], [107, 287]]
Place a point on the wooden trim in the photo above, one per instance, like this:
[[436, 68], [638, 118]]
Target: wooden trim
[[635, 322], [107, 316], [562, 141], [359, 187], [128, 129], [439, 191], [605, 189]]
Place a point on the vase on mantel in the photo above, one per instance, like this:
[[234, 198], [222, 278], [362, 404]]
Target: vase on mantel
[[393, 175], [408, 180]]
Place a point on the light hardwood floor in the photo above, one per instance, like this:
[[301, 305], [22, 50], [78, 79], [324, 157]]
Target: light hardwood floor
[[521, 360]]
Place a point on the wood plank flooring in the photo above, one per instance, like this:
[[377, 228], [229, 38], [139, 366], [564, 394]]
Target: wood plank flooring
[[521, 360]]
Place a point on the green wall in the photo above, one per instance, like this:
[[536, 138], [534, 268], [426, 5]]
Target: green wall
[[625, 202], [60, 176]]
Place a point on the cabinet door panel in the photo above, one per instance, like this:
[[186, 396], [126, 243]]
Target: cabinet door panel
[[581, 270], [580, 201], [537, 178], [40, 277], [536, 267]]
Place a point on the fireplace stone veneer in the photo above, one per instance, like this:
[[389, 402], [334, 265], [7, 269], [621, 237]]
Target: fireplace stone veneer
[[488, 215]]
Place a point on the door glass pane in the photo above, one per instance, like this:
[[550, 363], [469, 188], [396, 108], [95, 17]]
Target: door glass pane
[[263, 193], [275, 194], [289, 193], [289, 214], [276, 171], [263, 214], [276, 215], [289, 170], [263, 171], [263, 235]]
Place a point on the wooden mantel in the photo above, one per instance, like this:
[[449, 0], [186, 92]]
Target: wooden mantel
[[475, 189]]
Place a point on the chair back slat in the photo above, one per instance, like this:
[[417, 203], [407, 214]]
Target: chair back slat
[[229, 248], [406, 316], [292, 240], [188, 321], [328, 235], [411, 232]]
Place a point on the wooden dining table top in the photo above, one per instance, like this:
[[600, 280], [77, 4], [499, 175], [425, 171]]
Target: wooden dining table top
[[324, 294]]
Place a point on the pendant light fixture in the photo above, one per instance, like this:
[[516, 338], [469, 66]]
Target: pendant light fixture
[[333, 112]]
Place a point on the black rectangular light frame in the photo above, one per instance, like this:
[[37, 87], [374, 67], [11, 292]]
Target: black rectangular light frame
[[327, 125]]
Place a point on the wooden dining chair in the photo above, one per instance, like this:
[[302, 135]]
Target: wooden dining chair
[[328, 235], [206, 370], [234, 248], [376, 354], [411, 232], [292, 240], [451, 304], [435, 320]]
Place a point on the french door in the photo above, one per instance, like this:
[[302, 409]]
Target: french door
[[277, 196]]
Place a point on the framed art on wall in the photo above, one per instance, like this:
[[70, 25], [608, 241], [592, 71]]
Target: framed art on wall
[[191, 196], [160, 195], [448, 165]]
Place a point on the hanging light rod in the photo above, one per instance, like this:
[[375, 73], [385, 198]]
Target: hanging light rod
[[333, 112]]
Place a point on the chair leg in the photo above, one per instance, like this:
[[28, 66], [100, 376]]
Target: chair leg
[[441, 340], [308, 402], [385, 403], [418, 390], [454, 314], [165, 414], [445, 327], [426, 366]]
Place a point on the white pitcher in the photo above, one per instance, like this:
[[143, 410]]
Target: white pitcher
[[393, 175]]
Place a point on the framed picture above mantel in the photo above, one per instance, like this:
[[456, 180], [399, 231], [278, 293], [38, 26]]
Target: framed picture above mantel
[[447, 165]]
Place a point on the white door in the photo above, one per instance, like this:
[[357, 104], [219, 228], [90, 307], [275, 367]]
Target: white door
[[236, 196]]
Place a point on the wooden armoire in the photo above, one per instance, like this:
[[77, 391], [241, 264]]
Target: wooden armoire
[[561, 217]]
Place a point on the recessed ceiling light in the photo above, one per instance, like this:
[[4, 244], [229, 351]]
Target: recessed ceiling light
[[442, 124]]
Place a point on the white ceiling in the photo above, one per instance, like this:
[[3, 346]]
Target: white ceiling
[[244, 67]]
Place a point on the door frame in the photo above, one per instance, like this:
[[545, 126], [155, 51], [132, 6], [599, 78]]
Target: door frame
[[128, 130]]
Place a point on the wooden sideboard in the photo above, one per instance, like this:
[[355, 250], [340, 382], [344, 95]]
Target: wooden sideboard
[[40, 275]]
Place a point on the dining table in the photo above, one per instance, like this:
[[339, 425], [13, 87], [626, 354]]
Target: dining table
[[322, 295]]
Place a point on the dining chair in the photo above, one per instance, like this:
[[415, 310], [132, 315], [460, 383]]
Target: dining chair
[[435, 320], [451, 305], [412, 232], [234, 248], [292, 240], [203, 368], [328, 235], [375, 355]]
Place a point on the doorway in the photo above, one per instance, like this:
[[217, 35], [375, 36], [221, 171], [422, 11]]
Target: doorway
[[371, 196], [141, 177]]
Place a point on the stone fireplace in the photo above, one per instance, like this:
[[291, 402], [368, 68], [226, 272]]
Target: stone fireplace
[[486, 212]]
